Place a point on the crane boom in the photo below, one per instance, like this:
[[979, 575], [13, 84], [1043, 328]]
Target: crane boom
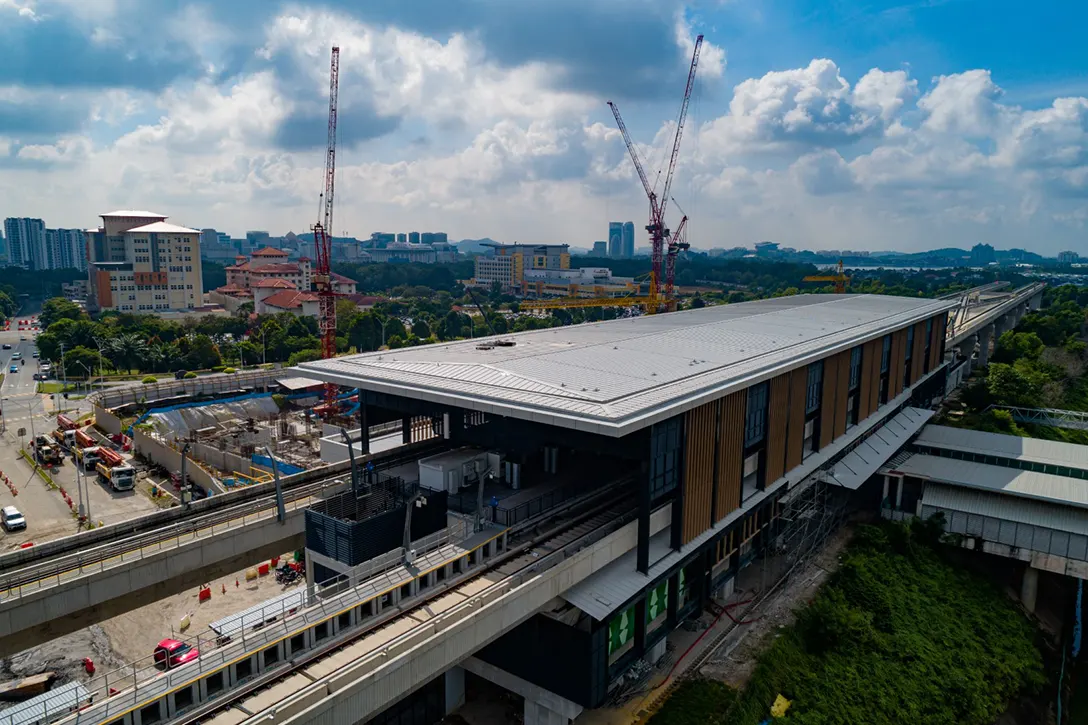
[[635, 159], [330, 148], [682, 117]]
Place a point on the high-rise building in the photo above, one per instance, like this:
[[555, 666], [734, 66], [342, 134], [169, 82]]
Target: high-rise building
[[615, 239], [258, 239], [1068, 257], [982, 254], [441, 238], [508, 263], [66, 249], [140, 263], [223, 237], [600, 249], [627, 247], [402, 238], [3, 250], [413, 237], [26, 242]]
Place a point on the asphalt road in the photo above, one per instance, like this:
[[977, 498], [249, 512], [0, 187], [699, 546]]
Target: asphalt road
[[47, 515]]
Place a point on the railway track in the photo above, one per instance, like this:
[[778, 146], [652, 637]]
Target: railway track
[[533, 547], [18, 581]]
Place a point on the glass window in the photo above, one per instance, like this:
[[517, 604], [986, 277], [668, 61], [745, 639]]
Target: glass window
[[855, 367], [886, 354], [815, 386], [750, 476], [755, 421], [809, 446], [910, 341], [852, 411]]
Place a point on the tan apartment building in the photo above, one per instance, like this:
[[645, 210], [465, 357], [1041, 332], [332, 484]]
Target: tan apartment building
[[140, 263]]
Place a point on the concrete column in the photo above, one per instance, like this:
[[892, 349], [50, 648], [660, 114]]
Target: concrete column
[[656, 652], [1029, 588], [364, 425], [455, 688], [311, 588], [985, 337], [406, 429], [539, 714]]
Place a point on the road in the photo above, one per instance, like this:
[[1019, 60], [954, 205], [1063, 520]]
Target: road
[[47, 515]]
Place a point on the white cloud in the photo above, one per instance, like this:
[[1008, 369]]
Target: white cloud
[[65, 151], [963, 103]]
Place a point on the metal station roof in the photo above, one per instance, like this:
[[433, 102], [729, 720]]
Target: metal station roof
[[997, 479], [47, 706], [619, 376], [983, 503], [258, 614], [1004, 446], [856, 466]]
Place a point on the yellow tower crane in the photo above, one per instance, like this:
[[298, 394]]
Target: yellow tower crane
[[839, 278]]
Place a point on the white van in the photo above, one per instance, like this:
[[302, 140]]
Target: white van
[[12, 519]]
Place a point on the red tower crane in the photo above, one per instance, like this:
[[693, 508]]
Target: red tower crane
[[323, 229], [659, 233]]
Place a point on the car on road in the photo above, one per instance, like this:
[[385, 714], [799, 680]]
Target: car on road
[[13, 369], [16, 355], [171, 653], [7, 345], [12, 519], [40, 376], [36, 354]]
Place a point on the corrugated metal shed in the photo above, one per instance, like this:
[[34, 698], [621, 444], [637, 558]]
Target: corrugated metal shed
[[981, 503], [622, 375], [1004, 446], [856, 467], [47, 706], [1011, 481], [296, 382]]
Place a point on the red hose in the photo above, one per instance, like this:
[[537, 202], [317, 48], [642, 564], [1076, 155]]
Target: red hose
[[725, 611]]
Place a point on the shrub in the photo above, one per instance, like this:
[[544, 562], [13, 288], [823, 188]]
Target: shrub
[[190, 375], [229, 370], [219, 368], [279, 400], [150, 380]]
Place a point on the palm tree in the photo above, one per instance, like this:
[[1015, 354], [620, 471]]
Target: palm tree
[[127, 350]]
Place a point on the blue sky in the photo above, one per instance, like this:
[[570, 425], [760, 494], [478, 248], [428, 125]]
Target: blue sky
[[832, 124]]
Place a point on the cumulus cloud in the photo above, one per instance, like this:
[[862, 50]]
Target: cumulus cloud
[[488, 119]]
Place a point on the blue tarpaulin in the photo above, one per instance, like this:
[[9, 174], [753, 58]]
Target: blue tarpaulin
[[285, 469]]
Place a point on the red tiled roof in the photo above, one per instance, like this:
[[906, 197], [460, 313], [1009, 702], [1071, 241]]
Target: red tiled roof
[[341, 278], [290, 299], [304, 259], [274, 283], [243, 267], [269, 252], [278, 268]]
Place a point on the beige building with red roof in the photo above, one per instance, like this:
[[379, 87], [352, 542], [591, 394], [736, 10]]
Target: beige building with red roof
[[275, 284]]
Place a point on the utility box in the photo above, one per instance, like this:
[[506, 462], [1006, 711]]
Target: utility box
[[453, 470]]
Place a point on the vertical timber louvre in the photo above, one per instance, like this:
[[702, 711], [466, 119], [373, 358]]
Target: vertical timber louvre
[[795, 437], [730, 453], [899, 363], [876, 349], [829, 402], [916, 364], [866, 381], [777, 418], [699, 469], [935, 341], [842, 392]]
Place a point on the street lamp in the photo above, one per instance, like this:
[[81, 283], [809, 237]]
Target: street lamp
[[264, 347], [29, 405]]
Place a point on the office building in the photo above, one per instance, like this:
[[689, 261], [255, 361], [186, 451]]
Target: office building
[[26, 242], [1068, 257], [402, 238], [3, 250], [137, 262], [274, 284], [413, 237], [627, 245], [600, 249], [615, 239], [258, 239]]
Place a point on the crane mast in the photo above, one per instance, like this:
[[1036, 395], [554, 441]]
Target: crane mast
[[659, 233], [323, 229]]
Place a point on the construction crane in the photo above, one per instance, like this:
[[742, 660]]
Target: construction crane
[[677, 243], [839, 278], [322, 231], [659, 232]]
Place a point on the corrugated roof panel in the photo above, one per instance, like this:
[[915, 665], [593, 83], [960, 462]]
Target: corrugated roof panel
[[641, 367], [855, 467], [999, 479], [1005, 446], [48, 706], [982, 503]]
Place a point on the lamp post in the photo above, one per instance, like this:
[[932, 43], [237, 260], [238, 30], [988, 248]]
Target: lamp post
[[29, 405], [264, 348]]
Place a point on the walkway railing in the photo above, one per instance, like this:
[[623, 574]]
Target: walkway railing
[[1070, 419]]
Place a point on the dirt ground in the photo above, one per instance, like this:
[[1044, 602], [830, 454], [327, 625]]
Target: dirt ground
[[116, 642]]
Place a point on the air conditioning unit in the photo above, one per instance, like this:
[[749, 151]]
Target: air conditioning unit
[[410, 557]]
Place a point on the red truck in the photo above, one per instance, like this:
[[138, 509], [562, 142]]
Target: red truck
[[66, 423], [83, 440]]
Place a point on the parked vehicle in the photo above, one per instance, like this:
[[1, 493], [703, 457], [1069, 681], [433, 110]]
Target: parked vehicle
[[13, 369], [171, 653], [113, 470], [66, 423], [83, 440], [12, 519], [66, 438], [7, 345], [17, 355], [87, 458]]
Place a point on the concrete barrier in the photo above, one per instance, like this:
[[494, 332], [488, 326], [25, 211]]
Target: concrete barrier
[[151, 446], [106, 421]]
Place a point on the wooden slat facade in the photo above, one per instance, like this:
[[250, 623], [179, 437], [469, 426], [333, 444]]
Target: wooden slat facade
[[842, 390], [778, 413], [869, 354], [935, 341], [899, 362], [795, 436], [917, 364], [700, 432], [730, 453]]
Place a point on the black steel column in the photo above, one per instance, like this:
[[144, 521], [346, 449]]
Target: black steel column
[[642, 557], [676, 527], [406, 429], [672, 601], [364, 426], [640, 626]]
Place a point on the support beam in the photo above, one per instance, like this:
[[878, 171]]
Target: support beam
[[642, 554], [1029, 587], [406, 429], [985, 337], [364, 426]]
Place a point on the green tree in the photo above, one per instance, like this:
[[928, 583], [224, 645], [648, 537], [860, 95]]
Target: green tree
[[8, 308], [58, 308], [202, 353], [303, 356], [421, 329], [1013, 346], [82, 362], [127, 351]]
